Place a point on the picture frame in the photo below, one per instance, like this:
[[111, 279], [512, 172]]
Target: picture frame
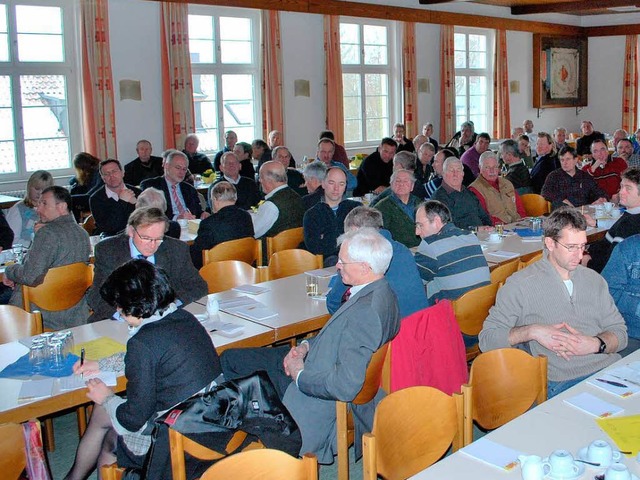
[[560, 71]]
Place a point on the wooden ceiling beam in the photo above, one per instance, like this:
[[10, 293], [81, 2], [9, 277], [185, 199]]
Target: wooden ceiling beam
[[567, 7], [433, 2]]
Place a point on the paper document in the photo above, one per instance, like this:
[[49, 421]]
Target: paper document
[[624, 431], [33, 389], [251, 289], [502, 254], [226, 329], [10, 353], [623, 381], [99, 348], [74, 382], [593, 405], [225, 305], [493, 454], [253, 312], [322, 273]]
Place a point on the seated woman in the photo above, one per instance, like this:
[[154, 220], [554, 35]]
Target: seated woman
[[22, 217], [87, 175], [169, 357]]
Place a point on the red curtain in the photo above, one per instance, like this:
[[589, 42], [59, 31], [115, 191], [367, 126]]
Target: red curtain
[[447, 84], [410, 79], [630, 85], [501, 109], [333, 72], [272, 115]]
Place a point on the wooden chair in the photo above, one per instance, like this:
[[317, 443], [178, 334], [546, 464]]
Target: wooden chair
[[62, 288], [344, 422], [14, 457], [111, 472], [286, 263], [247, 250], [221, 276], [264, 464], [501, 272], [89, 224], [471, 310], [412, 429], [503, 384], [15, 323], [285, 240], [535, 205], [528, 259]]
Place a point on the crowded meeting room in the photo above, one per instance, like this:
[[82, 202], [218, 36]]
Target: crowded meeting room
[[332, 240]]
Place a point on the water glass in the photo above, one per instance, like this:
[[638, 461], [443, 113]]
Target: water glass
[[37, 355], [69, 341], [312, 285], [18, 252], [56, 352]]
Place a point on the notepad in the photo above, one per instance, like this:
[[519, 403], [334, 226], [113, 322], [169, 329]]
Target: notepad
[[593, 405], [253, 312], [493, 454], [74, 382], [622, 381], [226, 329], [99, 348], [33, 389], [251, 289], [225, 305]]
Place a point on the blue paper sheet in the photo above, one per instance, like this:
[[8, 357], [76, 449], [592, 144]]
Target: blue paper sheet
[[22, 368]]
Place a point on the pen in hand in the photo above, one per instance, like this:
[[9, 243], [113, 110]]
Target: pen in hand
[[81, 362]]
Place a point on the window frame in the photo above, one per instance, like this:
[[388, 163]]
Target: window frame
[[391, 69], [219, 69], [475, 72], [69, 68]]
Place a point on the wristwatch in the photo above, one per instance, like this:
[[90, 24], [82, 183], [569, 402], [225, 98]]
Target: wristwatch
[[603, 346]]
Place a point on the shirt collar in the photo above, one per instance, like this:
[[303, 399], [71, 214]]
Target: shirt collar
[[135, 253], [274, 191], [111, 194], [231, 180]]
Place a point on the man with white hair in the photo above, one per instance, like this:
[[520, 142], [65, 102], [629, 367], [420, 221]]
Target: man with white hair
[[399, 207], [332, 365], [496, 194], [246, 188], [152, 197], [314, 174], [560, 138], [198, 161]]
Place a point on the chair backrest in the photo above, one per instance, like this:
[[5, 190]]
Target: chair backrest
[[62, 288], [14, 457], [89, 224], [412, 429], [503, 384], [264, 464], [111, 472], [286, 263], [15, 323], [501, 272], [535, 205], [526, 260], [285, 240], [472, 308], [221, 276], [373, 376], [247, 250]]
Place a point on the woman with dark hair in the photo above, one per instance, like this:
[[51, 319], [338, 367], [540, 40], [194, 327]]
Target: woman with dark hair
[[87, 174], [243, 151], [169, 357]]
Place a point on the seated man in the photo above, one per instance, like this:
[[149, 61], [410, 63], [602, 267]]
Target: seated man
[[496, 194], [464, 206], [228, 221], [624, 150], [282, 208], [145, 238], [246, 189], [627, 225], [112, 203], [295, 180], [325, 152], [546, 163], [605, 169], [435, 180], [332, 365], [398, 209], [198, 162], [471, 158], [58, 241], [404, 144], [589, 135], [558, 308], [569, 186], [401, 161], [402, 274], [324, 222], [230, 140], [182, 198], [517, 171], [463, 139], [375, 170], [622, 276], [314, 174], [152, 197], [144, 166], [449, 259], [339, 153]]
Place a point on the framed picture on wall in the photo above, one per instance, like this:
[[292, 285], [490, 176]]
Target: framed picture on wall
[[559, 71]]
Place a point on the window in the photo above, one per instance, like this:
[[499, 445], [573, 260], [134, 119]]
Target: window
[[36, 74], [474, 77], [225, 67], [366, 73]]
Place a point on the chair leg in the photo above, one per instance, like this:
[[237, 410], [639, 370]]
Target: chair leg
[[342, 441], [49, 439], [81, 414]]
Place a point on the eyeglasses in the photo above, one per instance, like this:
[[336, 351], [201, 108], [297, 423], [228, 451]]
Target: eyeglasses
[[340, 262], [574, 248], [149, 239]]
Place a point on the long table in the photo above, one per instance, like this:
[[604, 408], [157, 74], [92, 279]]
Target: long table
[[547, 427]]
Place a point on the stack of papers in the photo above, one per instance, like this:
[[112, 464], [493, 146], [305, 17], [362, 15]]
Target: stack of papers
[[34, 389], [623, 381], [321, 272], [248, 308], [75, 382], [251, 289], [226, 329], [593, 405], [493, 454]]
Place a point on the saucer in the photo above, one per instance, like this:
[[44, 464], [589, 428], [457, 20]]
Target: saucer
[[493, 242], [572, 476], [582, 455]]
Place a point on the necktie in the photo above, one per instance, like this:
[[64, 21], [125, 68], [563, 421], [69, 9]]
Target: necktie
[[176, 199], [142, 257], [346, 295]]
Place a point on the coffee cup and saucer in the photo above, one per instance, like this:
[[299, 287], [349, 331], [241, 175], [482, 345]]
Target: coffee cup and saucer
[[560, 465], [494, 238], [600, 451]]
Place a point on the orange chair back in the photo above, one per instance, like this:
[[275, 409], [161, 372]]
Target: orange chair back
[[15, 323], [247, 250], [62, 288], [221, 276]]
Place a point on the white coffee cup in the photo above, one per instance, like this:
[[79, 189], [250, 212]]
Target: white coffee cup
[[213, 306], [615, 213], [617, 471], [600, 451], [561, 464], [183, 222], [494, 237], [608, 206]]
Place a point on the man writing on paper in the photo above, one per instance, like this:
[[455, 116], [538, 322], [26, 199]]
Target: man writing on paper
[[558, 308], [332, 365]]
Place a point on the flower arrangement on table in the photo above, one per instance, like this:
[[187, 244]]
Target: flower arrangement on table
[[208, 176]]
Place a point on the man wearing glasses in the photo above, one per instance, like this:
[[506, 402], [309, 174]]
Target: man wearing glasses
[[145, 238], [558, 308]]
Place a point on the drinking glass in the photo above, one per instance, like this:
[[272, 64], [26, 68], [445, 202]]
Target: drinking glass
[[37, 356], [312, 285], [56, 351]]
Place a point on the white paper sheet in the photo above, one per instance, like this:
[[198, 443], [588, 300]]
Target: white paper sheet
[[493, 454], [74, 382], [33, 389], [593, 405], [10, 352]]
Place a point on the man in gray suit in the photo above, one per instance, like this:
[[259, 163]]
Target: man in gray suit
[[58, 241], [145, 238], [332, 366]]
